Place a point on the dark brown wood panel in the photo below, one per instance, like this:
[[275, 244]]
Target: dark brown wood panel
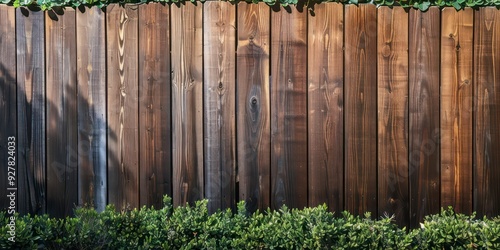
[[424, 114], [122, 106], [392, 37], [91, 66], [62, 136], [187, 102], [288, 108], [326, 106], [8, 114], [253, 110], [456, 109], [487, 111], [30, 38], [361, 109], [219, 93], [154, 104]]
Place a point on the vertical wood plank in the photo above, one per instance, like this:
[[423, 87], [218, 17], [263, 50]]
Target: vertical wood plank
[[123, 141], [361, 109], [91, 66], [487, 111], [8, 110], [456, 109], [62, 145], [424, 114], [254, 152], [154, 104], [392, 105], [326, 106], [187, 103], [289, 108], [219, 104], [30, 38]]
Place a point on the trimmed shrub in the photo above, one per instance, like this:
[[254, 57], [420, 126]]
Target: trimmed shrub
[[192, 227]]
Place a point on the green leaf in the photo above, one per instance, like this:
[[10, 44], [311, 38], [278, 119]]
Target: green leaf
[[424, 6], [456, 5]]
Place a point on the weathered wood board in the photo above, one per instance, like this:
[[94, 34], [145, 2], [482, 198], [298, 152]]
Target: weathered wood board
[[154, 105], [253, 105], [392, 63], [219, 109], [456, 109], [325, 70]]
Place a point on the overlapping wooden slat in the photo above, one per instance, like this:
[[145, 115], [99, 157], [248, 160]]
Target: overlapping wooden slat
[[253, 105], [392, 63], [360, 109], [62, 136], [30, 42], [288, 108], [91, 66], [424, 113], [456, 109], [219, 91], [122, 106], [8, 114], [187, 103], [154, 105], [325, 71], [487, 111]]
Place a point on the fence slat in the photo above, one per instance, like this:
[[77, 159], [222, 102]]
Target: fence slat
[[361, 109], [123, 141], [254, 152], [456, 109], [187, 103], [219, 104], [91, 66], [487, 111], [424, 113], [326, 106], [30, 39], [154, 104], [8, 114], [288, 113], [393, 196], [62, 144]]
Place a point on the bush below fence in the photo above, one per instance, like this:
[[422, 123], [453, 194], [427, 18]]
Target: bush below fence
[[193, 227]]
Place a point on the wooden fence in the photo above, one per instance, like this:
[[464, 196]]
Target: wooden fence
[[361, 108]]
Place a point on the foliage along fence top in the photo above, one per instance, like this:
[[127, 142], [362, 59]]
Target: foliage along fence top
[[418, 4]]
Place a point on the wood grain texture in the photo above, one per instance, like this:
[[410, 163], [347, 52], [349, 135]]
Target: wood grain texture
[[187, 103], [122, 107], [456, 109], [361, 109], [326, 106], [154, 104], [91, 66], [8, 114], [219, 92], [424, 114], [62, 136], [31, 98], [392, 62], [253, 110], [487, 111], [289, 109]]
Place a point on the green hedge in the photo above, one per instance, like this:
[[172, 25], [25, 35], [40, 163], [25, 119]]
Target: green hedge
[[193, 228], [419, 4]]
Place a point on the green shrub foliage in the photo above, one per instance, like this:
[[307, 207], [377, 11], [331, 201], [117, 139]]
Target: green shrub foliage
[[418, 4], [192, 227]]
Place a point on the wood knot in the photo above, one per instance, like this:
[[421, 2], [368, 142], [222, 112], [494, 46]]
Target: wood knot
[[220, 86], [253, 101]]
